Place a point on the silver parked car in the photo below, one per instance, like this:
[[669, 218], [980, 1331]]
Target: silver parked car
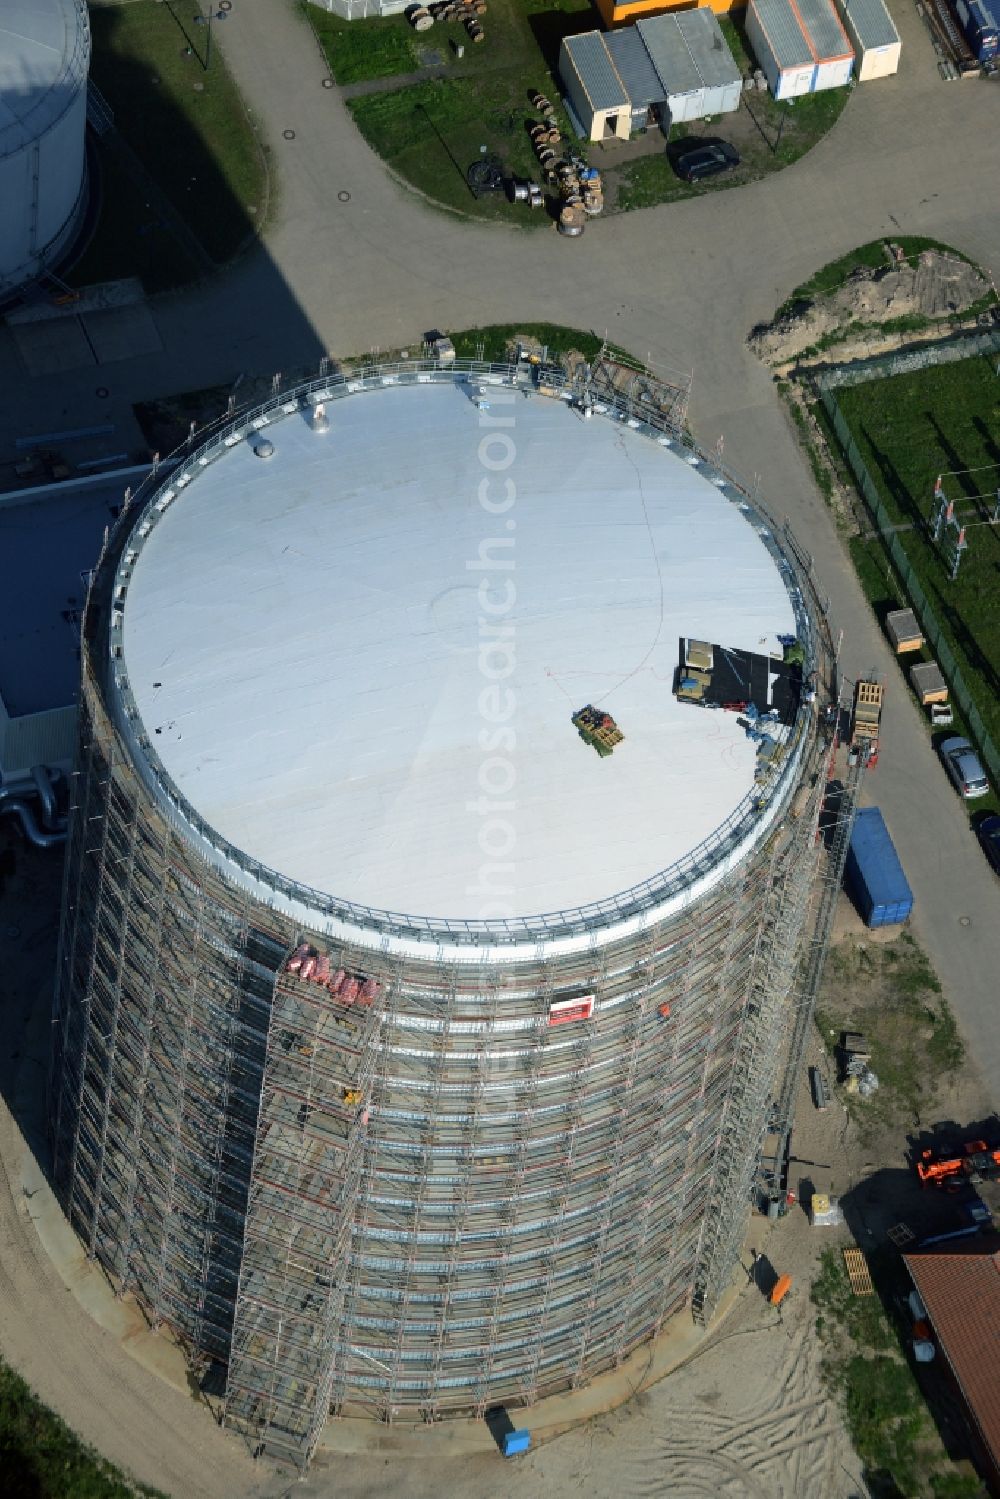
[[962, 764]]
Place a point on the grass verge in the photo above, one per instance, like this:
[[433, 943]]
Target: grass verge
[[890, 993], [887, 1417], [40, 1458], [177, 107], [871, 256], [495, 340], [360, 50], [909, 429]]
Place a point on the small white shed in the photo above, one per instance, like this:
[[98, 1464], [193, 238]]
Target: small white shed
[[800, 44], [874, 37]]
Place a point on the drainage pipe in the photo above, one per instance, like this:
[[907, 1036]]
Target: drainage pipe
[[29, 823]]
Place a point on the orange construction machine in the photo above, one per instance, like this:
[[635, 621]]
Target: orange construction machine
[[977, 1160]]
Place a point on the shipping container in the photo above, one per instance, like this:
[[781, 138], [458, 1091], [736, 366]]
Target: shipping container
[[874, 38], [874, 874], [980, 21], [800, 45]]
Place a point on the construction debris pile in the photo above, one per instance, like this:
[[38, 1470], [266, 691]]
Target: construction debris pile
[[598, 729], [930, 285], [856, 1075]]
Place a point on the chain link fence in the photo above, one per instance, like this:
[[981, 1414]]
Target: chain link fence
[[882, 368]]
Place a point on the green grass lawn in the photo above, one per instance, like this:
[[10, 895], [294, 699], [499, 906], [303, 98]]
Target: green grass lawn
[[40, 1458], [494, 339], [909, 429], [430, 132], [184, 120], [359, 50], [891, 1427]]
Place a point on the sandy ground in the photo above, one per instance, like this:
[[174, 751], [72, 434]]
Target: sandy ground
[[719, 1425]]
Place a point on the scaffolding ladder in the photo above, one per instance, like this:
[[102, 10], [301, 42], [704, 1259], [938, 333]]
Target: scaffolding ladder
[[841, 810], [287, 1345]]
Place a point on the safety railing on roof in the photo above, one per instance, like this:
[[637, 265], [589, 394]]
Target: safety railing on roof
[[156, 494]]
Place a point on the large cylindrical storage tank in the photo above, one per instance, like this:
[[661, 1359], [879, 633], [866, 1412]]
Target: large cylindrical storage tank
[[44, 59], [414, 1042]]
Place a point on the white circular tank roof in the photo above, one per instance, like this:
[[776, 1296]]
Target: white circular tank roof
[[358, 658], [44, 56]]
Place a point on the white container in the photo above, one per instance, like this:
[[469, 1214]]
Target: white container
[[800, 44], [873, 35]]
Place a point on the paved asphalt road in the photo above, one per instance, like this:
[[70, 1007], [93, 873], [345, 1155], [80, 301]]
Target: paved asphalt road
[[682, 284]]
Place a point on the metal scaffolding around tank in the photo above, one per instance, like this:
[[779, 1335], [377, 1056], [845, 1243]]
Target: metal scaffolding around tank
[[436, 1199]]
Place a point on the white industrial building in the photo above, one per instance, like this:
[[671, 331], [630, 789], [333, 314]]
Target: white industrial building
[[44, 58], [800, 45], [874, 37], [676, 67]]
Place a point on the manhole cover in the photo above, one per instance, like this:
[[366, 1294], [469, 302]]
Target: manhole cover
[[344, 196], [288, 134], [101, 392], [965, 921]]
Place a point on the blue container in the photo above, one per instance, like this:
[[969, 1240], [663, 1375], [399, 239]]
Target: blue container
[[980, 20], [874, 874], [515, 1442]]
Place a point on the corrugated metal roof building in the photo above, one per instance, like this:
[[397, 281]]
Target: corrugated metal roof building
[[959, 1285], [800, 44], [677, 64], [635, 69], [596, 93], [874, 37], [697, 69]]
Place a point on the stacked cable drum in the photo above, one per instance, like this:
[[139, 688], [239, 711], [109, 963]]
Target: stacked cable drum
[[411, 1056]]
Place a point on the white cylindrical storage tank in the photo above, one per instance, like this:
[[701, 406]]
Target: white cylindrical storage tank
[[370, 1159], [44, 57]]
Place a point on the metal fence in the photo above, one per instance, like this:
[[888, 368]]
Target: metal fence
[[912, 586], [909, 361]]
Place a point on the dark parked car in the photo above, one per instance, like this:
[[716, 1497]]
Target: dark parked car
[[706, 161], [988, 833]]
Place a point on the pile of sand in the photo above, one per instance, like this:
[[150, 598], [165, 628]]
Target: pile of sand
[[931, 285]]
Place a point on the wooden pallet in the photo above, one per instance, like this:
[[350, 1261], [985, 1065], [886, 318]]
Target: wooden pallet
[[857, 1273]]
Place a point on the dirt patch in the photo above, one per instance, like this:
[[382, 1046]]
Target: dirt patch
[[889, 299]]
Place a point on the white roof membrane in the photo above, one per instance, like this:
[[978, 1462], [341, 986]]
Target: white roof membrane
[[364, 679]]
